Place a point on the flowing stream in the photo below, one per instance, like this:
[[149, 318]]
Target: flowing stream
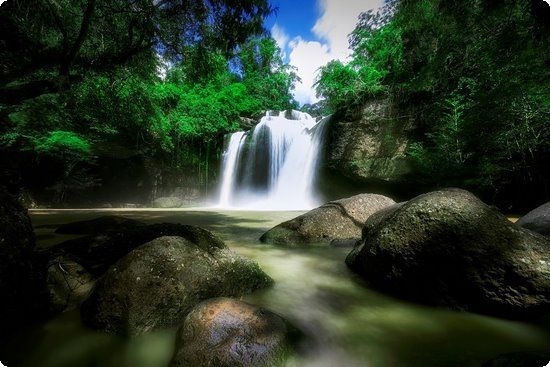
[[274, 166], [346, 323]]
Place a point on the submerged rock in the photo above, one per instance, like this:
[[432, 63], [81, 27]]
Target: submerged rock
[[225, 332], [449, 248], [168, 202], [98, 225], [341, 219], [97, 252], [156, 285], [69, 284], [537, 220]]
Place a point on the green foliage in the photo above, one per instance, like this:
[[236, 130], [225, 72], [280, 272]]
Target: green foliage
[[476, 73], [84, 79], [62, 142], [339, 84], [266, 76], [378, 52]]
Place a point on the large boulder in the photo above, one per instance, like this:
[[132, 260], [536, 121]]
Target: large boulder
[[224, 332], [99, 225], [449, 248], [22, 289], [69, 284], [537, 220], [99, 251], [337, 220], [157, 284], [168, 202]]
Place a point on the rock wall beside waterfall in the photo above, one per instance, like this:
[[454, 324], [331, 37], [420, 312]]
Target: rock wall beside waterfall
[[370, 148]]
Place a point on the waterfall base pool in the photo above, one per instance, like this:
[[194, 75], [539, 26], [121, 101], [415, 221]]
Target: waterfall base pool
[[347, 324]]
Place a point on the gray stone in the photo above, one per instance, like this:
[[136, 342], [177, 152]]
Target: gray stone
[[224, 332], [449, 248], [537, 220], [341, 219]]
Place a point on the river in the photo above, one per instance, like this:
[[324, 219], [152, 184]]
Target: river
[[346, 323]]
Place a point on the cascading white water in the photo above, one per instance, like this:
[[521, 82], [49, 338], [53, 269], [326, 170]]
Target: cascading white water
[[230, 159], [274, 166]]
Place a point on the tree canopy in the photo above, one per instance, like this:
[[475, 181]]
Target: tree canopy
[[163, 79], [478, 75]]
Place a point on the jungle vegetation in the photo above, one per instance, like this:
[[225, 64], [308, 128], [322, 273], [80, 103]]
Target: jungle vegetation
[[477, 74]]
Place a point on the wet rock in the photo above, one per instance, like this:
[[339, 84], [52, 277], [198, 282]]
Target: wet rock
[[449, 248], [22, 285], [157, 284], [340, 219], [226, 332], [97, 252], [69, 284], [97, 225], [168, 202], [247, 123], [537, 220], [526, 359]]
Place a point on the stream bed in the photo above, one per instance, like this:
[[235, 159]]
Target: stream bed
[[346, 323]]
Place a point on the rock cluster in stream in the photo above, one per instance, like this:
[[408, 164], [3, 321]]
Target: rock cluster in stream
[[157, 284], [443, 248], [130, 278]]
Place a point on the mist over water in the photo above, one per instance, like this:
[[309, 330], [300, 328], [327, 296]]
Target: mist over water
[[275, 165]]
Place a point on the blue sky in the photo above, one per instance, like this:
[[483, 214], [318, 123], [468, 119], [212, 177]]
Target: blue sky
[[297, 17], [313, 32]]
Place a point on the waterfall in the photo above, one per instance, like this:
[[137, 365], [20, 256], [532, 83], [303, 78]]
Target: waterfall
[[274, 166], [230, 159]]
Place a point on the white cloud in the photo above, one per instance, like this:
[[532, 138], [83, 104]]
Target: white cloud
[[307, 57], [280, 36], [337, 20]]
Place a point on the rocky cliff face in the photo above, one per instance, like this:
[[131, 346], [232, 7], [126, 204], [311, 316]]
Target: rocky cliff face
[[369, 149], [371, 146]]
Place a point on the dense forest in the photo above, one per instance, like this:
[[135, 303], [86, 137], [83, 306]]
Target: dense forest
[[87, 81], [477, 74]]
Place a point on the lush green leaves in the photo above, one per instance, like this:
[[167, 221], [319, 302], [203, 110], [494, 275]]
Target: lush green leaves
[[475, 72]]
